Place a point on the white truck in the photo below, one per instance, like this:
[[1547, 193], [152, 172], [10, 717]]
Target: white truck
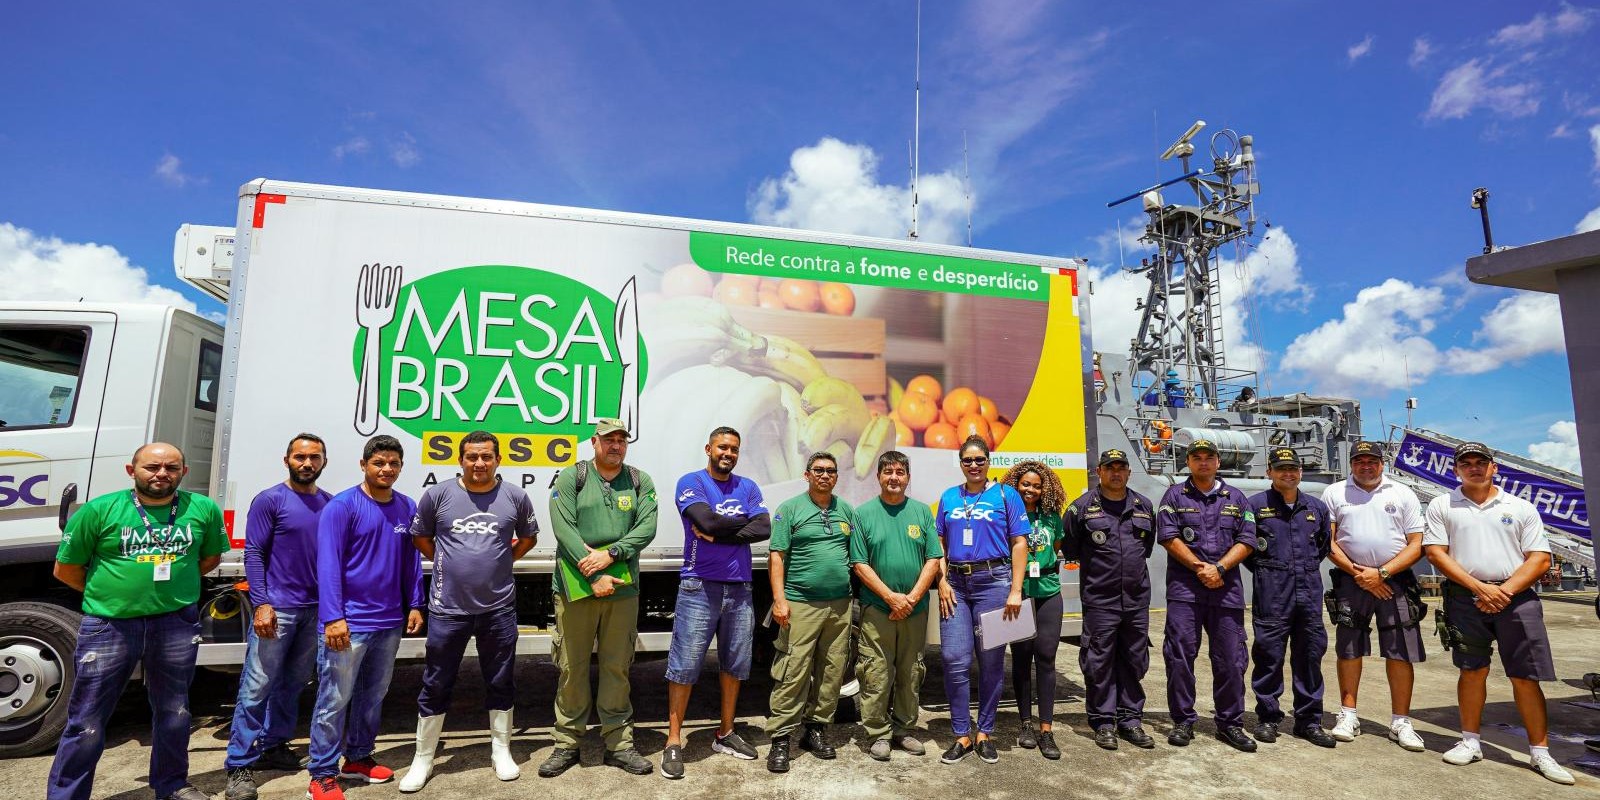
[[353, 312]]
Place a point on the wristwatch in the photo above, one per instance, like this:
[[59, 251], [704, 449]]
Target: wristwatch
[[1221, 570], [1383, 573], [615, 551]]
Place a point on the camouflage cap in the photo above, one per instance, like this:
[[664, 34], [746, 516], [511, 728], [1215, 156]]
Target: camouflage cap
[[607, 425]]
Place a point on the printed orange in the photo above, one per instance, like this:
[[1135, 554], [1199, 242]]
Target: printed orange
[[686, 280], [974, 425], [999, 429], [800, 295], [959, 403], [917, 411], [941, 435], [838, 299], [988, 410], [736, 290], [903, 435], [768, 299], [926, 384]]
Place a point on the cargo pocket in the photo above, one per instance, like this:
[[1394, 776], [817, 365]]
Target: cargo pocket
[[780, 661]]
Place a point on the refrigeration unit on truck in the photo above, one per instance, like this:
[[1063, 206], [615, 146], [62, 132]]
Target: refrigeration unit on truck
[[355, 312]]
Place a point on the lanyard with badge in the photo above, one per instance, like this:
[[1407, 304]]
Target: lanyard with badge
[[164, 566], [1033, 564], [966, 512]]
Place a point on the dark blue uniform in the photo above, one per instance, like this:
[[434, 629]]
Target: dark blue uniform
[[1210, 524], [1291, 542], [1112, 548]]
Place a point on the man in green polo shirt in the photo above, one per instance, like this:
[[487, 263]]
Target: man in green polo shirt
[[808, 562], [137, 555], [603, 513], [895, 553]]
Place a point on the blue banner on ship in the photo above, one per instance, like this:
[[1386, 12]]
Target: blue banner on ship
[[1560, 503]]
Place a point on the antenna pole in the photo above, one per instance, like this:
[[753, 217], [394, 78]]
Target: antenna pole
[[966, 180], [916, 123]]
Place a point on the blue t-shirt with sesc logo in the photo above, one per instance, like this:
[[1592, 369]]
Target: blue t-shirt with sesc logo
[[992, 517], [736, 497]]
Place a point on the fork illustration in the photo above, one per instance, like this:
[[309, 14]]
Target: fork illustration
[[376, 290]]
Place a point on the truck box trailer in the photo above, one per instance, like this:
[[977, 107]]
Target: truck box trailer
[[354, 312]]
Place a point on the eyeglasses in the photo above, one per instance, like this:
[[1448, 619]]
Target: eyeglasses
[[824, 471], [973, 462]]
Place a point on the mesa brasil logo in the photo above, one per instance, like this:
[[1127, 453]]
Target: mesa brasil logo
[[504, 348]]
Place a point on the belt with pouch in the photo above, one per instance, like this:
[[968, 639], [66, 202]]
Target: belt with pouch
[[969, 567]]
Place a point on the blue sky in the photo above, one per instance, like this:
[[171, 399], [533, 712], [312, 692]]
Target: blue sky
[[1373, 123]]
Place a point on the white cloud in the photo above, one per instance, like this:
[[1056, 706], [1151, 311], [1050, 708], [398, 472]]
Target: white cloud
[[1560, 450], [1381, 335], [1590, 222], [1474, 84], [1360, 49], [1523, 325], [1594, 142], [1112, 312], [833, 186], [1421, 49], [1562, 131], [170, 170], [46, 268], [1566, 22], [354, 146], [403, 151]]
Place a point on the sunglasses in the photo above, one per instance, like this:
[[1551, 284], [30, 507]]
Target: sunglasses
[[824, 471], [974, 461]]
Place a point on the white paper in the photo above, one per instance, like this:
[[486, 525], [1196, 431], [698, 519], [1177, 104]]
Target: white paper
[[996, 631]]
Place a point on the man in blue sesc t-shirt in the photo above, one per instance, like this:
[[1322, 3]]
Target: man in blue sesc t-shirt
[[722, 515]]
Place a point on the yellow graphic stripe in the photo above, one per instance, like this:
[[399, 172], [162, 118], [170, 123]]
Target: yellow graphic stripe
[[1053, 418]]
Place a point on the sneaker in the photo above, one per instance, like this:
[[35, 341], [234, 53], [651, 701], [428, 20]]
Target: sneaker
[[880, 750], [956, 752], [1463, 754], [281, 757], [561, 759], [987, 752], [324, 789], [734, 745], [778, 755], [241, 784], [1547, 766], [367, 770], [672, 762], [1027, 738], [629, 761], [187, 792], [1047, 745], [1406, 736], [909, 743], [1181, 734], [1267, 732], [1136, 736], [1347, 728]]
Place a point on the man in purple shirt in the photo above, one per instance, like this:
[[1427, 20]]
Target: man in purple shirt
[[1207, 527], [280, 562], [722, 515], [369, 579]]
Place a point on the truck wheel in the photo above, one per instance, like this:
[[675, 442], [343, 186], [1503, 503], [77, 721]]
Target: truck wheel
[[37, 641]]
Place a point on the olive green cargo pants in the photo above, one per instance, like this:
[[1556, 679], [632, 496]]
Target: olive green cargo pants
[[891, 671], [809, 666], [610, 628]]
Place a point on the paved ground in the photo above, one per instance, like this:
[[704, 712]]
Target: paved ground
[[1369, 766]]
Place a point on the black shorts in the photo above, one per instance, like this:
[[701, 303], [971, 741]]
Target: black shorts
[[1399, 635], [1518, 629]]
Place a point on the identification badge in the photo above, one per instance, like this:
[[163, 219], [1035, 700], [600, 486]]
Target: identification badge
[[966, 537], [164, 571], [1033, 569]]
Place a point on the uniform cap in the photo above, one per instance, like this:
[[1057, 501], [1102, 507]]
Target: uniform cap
[[607, 425], [1366, 449], [1283, 457], [1113, 456], [1204, 445], [1473, 449]]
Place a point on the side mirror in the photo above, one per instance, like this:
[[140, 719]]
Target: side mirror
[[69, 496]]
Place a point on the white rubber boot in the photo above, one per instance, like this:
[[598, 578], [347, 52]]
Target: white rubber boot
[[505, 767], [428, 729]]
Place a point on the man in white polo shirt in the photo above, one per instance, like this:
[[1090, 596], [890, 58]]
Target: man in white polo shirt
[[1492, 547], [1377, 536]]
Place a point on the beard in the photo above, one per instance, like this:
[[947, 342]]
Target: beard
[[158, 493], [295, 477]]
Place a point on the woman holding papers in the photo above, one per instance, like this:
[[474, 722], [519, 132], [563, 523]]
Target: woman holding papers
[[984, 530], [1043, 497]]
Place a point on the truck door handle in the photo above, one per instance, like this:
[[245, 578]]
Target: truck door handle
[[69, 496]]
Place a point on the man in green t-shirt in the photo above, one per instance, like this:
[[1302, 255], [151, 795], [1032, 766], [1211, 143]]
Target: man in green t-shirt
[[808, 562], [137, 556], [603, 513], [895, 553]]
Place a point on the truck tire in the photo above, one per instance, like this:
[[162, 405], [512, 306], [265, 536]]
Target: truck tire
[[37, 642]]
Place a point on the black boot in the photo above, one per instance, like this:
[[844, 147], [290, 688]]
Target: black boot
[[778, 755], [813, 741]]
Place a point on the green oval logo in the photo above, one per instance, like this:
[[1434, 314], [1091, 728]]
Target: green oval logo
[[503, 348]]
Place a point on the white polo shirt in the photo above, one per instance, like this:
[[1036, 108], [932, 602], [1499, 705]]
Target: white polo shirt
[[1489, 541], [1372, 526]]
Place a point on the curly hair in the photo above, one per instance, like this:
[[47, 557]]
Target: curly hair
[[1054, 497]]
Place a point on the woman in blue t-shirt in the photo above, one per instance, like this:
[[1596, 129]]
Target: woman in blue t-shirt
[[985, 531]]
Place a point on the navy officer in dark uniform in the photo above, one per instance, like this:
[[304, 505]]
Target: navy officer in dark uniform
[[1207, 528], [1111, 533], [1292, 536]]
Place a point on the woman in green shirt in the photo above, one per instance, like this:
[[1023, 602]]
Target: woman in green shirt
[[1044, 498]]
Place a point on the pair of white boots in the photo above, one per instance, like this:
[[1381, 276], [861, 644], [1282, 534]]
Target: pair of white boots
[[428, 729]]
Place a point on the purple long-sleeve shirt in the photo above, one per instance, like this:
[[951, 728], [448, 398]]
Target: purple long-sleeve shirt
[[368, 572], [280, 547]]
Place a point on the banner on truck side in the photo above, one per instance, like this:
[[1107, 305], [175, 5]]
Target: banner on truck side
[[1561, 505]]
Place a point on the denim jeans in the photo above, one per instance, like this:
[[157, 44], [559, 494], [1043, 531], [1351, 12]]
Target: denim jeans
[[983, 590], [275, 671], [351, 686], [705, 608], [447, 642], [108, 650]]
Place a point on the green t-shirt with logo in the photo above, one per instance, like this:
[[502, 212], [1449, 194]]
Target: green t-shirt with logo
[[896, 541], [1043, 538], [605, 514], [816, 562], [125, 556]]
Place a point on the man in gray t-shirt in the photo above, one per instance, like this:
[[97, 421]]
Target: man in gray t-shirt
[[473, 528]]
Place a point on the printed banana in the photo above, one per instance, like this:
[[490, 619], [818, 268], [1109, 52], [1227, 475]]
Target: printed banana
[[840, 450], [835, 421], [827, 391], [794, 420], [876, 440], [688, 331], [781, 358]]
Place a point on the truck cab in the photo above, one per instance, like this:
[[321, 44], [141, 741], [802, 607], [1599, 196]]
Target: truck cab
[[82, 385]]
